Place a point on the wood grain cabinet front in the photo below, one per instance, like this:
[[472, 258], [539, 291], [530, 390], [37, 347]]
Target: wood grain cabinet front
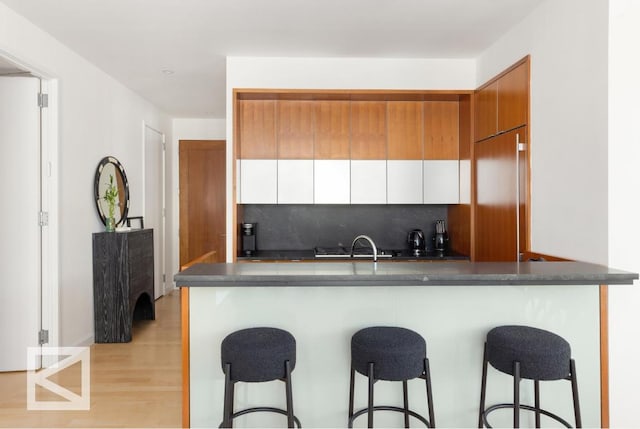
[[122, 283], [502, 104]]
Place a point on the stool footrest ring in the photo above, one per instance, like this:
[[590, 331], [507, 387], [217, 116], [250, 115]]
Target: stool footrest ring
[[388, 408], [522, 407], [263, 409]]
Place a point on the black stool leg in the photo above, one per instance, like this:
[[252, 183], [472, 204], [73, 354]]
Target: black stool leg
[[427, 377], [574, 390], [370, 407], [483, 388], [351, 386], [516, 394], [536, 394], [289, 394], [227, 421], [406, 403]]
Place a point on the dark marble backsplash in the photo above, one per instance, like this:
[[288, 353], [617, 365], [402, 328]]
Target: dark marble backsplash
[[300, 227]]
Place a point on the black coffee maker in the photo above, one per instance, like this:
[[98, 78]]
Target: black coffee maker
[[416, 242]]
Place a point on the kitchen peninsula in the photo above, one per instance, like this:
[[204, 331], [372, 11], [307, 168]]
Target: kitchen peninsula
[[452, 305]]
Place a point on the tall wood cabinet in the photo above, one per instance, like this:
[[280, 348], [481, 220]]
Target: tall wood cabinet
[[502, 163], [122, 283]]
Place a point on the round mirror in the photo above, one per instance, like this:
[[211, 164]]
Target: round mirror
[[111, 190]]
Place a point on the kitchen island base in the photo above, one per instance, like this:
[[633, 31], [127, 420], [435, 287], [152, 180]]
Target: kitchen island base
[[454, 321]]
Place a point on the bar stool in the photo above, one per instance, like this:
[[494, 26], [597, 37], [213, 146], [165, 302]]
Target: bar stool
[[257, 355], [393, 354], [529, 353]]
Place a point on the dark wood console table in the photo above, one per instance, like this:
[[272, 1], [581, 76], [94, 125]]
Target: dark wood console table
[[122, 283]]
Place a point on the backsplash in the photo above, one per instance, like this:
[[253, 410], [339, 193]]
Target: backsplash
[[303, 227]]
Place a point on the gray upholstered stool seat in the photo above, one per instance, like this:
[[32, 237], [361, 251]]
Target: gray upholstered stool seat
[[528, 353], [398, 353], [257, 355], [392, 354]]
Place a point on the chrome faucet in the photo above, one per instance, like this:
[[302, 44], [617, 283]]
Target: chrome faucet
[[373, 246]]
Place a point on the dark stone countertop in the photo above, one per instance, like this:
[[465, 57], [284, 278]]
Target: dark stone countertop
[[343, 274]]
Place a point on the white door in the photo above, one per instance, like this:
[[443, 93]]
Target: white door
[[20, 245], [154, 201]]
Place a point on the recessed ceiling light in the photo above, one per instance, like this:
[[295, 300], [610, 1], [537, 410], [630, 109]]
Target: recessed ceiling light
[[167, 71]]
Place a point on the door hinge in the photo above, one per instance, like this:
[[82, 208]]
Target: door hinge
[[164, 278], [43, 100], [44, 218], [43, 337]]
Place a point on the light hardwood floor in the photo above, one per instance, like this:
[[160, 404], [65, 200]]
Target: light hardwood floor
[[136, 384]]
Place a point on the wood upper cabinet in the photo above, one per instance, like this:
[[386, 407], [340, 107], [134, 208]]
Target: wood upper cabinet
[[405, 129], [513, 98], [257, 129], [295, 129], [441, 130], [503, 104], [486, 111], [332, 129], [368, 130]]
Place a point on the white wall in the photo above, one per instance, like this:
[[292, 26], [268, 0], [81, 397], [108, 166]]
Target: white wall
[[567, 40], [97, 117], [624, 201], [337, 73], [184, 129]]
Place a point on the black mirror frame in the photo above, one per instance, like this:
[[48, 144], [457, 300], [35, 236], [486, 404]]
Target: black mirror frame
[[96, 188]]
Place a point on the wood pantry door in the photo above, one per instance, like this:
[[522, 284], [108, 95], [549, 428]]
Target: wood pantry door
[[500, 197], [202, 199]]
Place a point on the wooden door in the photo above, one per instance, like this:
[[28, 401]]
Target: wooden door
[[513, 98], [405, 130], [498, 198], [295, 129], [202, 199], [332, 129], [368, 130], [441, 129], [486, 105], [257, 133]]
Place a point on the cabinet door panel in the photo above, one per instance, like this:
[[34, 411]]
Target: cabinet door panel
[[486, 105], [331, 182], [405, 129], [295, 181], [404, 182], [257, 133], [368, 182], [368, 130], [441, 184], [441, 130], [496, 190], [258, 181], [295, 129], [513, 98], [332, 130]]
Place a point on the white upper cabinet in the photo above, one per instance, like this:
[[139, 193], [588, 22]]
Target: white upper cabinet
[[331, 181], [258, 181], [404, 182], [441, 182], [368, 182], [295, 181]]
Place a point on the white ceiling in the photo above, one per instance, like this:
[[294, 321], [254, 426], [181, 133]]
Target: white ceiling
[[135, 40]]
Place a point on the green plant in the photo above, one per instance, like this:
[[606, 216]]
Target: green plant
[[111, 196]]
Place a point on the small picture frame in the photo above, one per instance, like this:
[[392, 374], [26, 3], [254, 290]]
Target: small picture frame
[[140, 222]]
